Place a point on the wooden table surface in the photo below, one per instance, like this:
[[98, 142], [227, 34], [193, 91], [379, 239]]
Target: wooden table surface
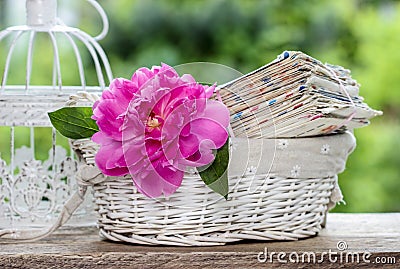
[[373, 238]]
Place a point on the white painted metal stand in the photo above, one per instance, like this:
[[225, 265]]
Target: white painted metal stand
[[33, 191]]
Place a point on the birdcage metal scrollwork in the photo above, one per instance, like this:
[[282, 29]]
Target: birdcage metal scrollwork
[[33, 188]]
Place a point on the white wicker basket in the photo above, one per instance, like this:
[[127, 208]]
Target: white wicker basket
[[286, 198]]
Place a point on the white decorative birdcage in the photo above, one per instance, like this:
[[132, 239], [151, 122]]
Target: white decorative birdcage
[[35, 185]]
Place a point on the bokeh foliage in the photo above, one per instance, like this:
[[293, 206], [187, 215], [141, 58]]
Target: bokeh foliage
[[361, 35]]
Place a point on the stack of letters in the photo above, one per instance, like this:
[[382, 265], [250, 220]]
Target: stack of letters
[[295, 96]]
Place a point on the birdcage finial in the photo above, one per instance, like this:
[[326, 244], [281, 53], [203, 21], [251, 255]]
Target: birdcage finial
[[41, 13]]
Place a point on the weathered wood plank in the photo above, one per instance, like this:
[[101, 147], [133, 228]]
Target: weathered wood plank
[[374, 234]]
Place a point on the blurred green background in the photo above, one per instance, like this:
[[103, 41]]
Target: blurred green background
[[361, 35]]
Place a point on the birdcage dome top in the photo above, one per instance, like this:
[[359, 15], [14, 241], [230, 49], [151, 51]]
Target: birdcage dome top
[[45, 61], [24, 45]]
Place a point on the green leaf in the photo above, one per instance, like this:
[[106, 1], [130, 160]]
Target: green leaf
[[74, 122], [215, 175]]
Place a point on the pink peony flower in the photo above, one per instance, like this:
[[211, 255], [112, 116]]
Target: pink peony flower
[[156, 125]]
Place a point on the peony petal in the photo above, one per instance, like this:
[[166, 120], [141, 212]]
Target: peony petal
[[123, 91], [141, 77], [169, 174], [218, 112], [134, 149], [101, 139], [188, 145], [157, 182], [135, 154], [209, 91], [174, 124], [149, 184], [168, 71], [133, 127], [117, 158], [201, 157], [170, 149], [153, 149], [185, 130], [208, 129], [107, 115], [162, 101], [188, 79], [109, 158], [185, 90]]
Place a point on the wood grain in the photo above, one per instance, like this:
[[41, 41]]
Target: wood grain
[[377, 234]]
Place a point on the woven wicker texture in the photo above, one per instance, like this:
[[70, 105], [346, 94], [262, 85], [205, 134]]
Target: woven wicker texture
[[277, 205]]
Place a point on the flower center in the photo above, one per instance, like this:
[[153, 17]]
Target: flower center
[[153, 122]]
